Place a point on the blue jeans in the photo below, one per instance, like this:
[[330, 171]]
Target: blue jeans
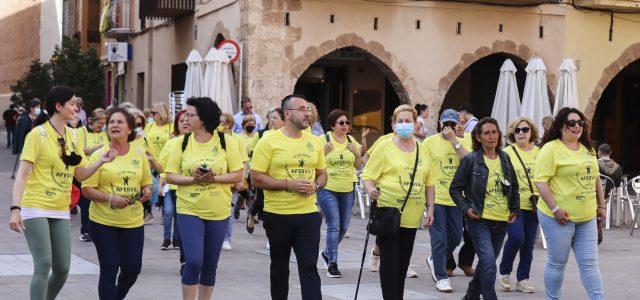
[[202, 242], [155, 190], [583, 238], [336, 208], [120, 254], [229, 231], [487, 237], [521, 236], [169, 217], [445, 233]]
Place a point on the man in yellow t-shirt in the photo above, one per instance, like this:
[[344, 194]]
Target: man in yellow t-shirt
[[445, 150], [289, 165]]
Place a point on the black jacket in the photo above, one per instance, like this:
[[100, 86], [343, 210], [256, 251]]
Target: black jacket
[[24, 126], [471, 178]]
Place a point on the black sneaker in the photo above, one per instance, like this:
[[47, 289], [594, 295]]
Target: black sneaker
[[333, 271], [85, 237], [236, 213], [326, 258], [176, 244], [165, 244]]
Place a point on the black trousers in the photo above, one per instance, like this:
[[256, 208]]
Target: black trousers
[[258, 205], [395, 255], [302, 233], [467, 252], [84, 204]]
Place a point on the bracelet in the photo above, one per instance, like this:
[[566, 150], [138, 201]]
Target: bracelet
[[555, 209], [15, 207], [286, 184], [601, 206]]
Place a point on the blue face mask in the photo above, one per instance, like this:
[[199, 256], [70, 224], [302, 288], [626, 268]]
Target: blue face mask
[[38, 111], [104, 128], [404, 130], [149, 120]]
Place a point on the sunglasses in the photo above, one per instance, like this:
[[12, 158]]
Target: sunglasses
[[342, 123], [138, 124], [154, 112], [449, 124], [72, 159], [572, 123], [522, 129]]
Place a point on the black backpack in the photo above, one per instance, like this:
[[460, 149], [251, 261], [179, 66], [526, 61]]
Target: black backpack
[[185, 141]]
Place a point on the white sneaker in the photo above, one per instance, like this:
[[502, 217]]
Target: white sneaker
[[525, 286], [268, 246], [226, 246], [374, 262], [411, 273], [505, 283], [444, 285], [431, 269]]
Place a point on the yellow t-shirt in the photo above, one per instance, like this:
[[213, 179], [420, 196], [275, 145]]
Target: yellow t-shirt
[[140, 143], [244, 151], [282, 158], [378, 141], [164, 157], [49, 184], [208, 201], [444, 162], [391, 169], [124, 176], [249, 142], [571, 176], [340, 170], [91, 139], [529, 159], [496, 204], [157, 136]]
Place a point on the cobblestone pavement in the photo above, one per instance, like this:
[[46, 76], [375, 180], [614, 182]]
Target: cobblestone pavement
[[243, 273]]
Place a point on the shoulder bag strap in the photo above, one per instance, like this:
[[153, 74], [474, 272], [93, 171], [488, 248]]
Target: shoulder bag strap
[[413, 176], [524, 167]]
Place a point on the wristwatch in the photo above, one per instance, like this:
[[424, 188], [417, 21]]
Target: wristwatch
[[318, 186], [457, 146], [15, 207]]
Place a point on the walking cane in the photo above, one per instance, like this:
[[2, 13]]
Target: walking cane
[[15, 165], [372, 210]]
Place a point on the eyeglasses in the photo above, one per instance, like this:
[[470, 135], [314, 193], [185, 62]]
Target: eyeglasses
[[573, 123], [190, 115], [154, 112], [301, 109], [138, 124], [342, 123], [521, 129]]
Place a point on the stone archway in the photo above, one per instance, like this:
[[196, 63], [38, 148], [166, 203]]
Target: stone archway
[[404, 85], [466, 60], [628, 56]]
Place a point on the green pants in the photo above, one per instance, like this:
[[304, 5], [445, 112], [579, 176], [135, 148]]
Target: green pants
[[50, 247]]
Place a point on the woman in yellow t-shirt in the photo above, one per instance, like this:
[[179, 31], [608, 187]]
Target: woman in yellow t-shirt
[[51, 157], [93, 136], [343, 158], [386, 178], [485, 189], [169, 216], [117, 191], [249, 136], [568, 179], [522, 134], [204, 169]]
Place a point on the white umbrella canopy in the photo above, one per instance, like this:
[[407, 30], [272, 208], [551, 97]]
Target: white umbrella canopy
[[193, 83], [567, 92], [535, 100], [218, 80], [506, 104]]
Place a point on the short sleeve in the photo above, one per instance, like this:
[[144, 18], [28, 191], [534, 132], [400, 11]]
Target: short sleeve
[[94, 179], [261, 156], [373, 168], [545, 164], [234, 158], [147, 179], [321, 164], [31, 147], [174, 159]]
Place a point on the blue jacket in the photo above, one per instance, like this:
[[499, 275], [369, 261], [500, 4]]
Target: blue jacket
[[469, 184]]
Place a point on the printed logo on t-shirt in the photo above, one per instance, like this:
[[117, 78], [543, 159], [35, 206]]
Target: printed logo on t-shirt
[[298, 170], [586, 177]]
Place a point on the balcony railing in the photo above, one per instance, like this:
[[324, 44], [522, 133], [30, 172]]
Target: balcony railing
[[165, 9], [115, 19]]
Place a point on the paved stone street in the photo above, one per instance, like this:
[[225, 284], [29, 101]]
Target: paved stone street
[[243, 273]]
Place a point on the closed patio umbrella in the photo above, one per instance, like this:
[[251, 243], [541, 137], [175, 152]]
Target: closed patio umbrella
[[506, 105], [567, 93], [535, 100], [193, 83], [218, 80]]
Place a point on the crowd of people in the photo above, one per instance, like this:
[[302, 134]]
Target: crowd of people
[[203, 165]]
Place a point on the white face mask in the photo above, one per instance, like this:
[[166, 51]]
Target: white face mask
[[138, 131], [38, 111], [149, 120]]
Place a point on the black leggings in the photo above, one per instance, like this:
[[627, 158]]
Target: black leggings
[[258, 205], [395, 255]]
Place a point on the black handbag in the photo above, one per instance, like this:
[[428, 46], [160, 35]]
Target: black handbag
[[533, 198], [385, 221]]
